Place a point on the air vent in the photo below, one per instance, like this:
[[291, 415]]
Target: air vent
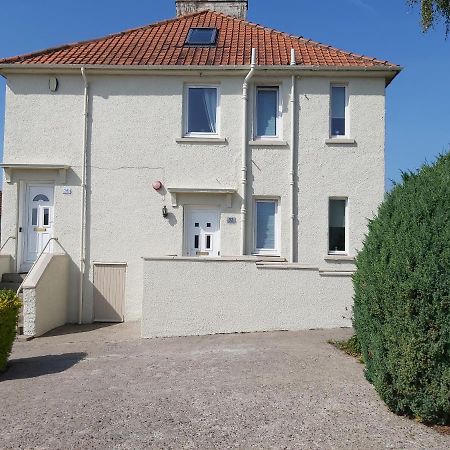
[[202, 37]]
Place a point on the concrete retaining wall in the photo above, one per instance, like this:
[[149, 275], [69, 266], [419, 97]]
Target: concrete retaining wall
[[45, 295], [184, 296], [5, 264]]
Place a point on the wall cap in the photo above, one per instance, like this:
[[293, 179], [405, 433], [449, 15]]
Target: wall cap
[[249, 258]]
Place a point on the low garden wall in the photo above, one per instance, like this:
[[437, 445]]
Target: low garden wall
[[187, 296], [45, 295]]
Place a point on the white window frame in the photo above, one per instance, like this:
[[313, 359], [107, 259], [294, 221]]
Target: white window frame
[[268, 87], [267, 251], [347, 112], [339, 252], [186, 111]]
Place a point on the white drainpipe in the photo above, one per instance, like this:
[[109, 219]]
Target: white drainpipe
[[83, 197], [292, 173], [244, 150]]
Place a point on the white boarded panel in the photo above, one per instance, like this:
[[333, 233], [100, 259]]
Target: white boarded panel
[[109, 292]]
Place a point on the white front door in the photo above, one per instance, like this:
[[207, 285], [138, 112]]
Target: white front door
[[38, 223], [202, 232]]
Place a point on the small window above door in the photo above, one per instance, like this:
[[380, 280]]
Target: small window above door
[[41, 198]]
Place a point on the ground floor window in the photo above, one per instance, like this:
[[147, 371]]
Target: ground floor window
[[337, 228], [266, 226]]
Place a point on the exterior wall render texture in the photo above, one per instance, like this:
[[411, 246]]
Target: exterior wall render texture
[[134, 124], [237, 296], [45, 295]]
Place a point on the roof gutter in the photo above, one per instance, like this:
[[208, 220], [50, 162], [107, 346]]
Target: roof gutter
[[389, 72], [27, 67]]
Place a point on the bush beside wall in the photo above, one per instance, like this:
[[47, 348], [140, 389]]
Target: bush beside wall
[[9, 314], [402, 296]]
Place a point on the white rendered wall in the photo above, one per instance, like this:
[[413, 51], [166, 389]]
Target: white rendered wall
[[46, 295], [134, 124], [238, 296]]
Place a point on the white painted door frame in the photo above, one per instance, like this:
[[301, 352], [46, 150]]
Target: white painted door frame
[[35, 221], [209, 244]]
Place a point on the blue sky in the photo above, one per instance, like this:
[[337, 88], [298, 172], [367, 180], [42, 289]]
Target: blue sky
[[418, 101]]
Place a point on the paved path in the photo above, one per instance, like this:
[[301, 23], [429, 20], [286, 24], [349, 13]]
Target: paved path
[[88, 387]]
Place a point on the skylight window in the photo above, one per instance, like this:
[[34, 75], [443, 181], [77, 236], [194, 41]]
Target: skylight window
[[202, 37]]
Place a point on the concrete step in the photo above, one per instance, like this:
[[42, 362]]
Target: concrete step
[[9, 285], [13, 277]]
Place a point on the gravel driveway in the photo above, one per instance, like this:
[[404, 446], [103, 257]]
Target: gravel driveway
[[88, 387]]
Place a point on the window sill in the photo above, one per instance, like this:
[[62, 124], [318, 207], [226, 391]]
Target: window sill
[[338, 257], [268, 143], [201, 140], [340, 141]]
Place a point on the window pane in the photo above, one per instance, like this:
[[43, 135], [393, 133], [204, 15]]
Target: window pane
[[46, 216], [40, 198], [338, 102], [201, 36], [202, 110], [266, 112], [338, 127], [337, 226], [34, 216], [265, 225], [208, 242]]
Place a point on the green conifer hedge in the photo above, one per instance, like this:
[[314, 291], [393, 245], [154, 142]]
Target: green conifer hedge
[[402, 296]]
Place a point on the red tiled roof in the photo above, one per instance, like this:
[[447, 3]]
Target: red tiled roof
[[162, 43]]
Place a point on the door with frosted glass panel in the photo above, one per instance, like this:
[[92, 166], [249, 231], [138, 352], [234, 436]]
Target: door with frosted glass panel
[[203, 234], [39, 223]]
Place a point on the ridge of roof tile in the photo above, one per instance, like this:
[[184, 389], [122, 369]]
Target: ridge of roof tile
[[162, 43]]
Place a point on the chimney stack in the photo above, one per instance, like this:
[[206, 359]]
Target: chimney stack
[[235, 8]]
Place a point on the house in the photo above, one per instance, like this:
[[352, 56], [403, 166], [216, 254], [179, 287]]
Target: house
[[203, 174]]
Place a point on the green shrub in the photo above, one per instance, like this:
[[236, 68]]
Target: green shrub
[[402, 296], [350, 346], [9, 314]]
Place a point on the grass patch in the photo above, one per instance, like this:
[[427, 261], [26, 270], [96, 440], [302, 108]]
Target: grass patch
[[351, 347]]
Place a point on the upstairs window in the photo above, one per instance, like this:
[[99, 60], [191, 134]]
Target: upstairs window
[[199, 37], [339, 106], [267, 112], [337, 233], [201, 111]]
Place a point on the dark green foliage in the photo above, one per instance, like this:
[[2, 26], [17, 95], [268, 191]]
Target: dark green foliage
[[351, 347], [9, 313], [432, 11], [402, 296]]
